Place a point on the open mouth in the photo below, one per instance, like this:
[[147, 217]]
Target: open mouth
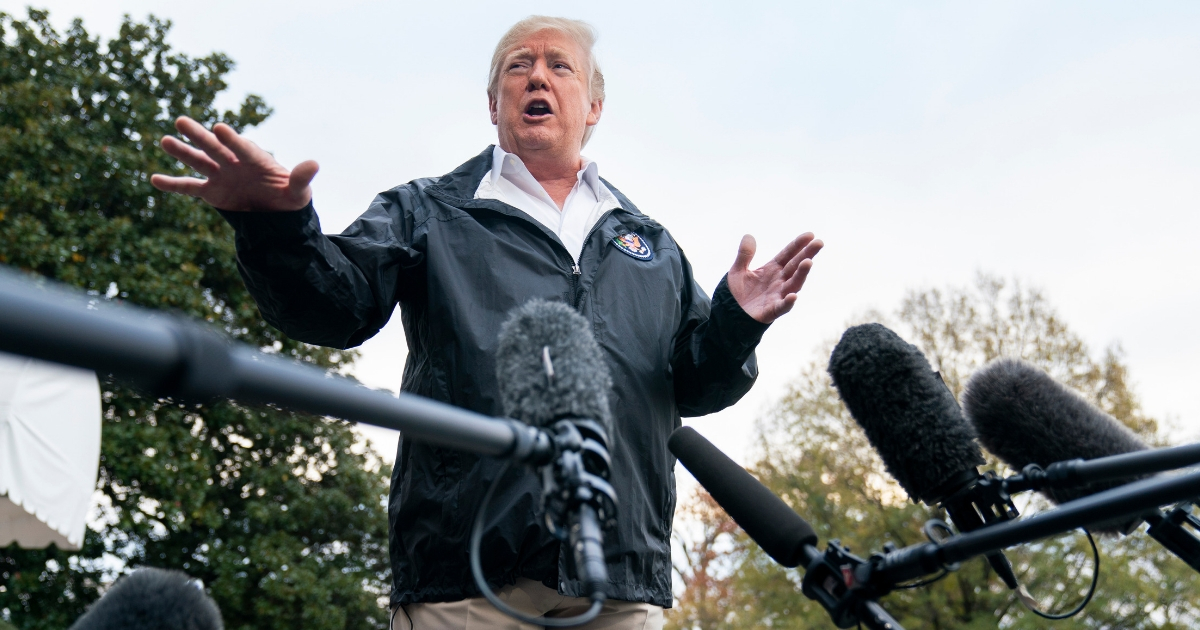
[[537, 109]]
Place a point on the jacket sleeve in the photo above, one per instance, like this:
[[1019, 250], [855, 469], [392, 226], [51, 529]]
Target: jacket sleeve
[[713, 362], [335, 291]]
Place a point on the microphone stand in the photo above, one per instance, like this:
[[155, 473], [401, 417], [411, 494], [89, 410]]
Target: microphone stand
[[848, 586], [1171, 530], [168, 357]]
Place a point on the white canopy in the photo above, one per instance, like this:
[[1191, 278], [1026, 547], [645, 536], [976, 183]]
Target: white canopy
[[49, 452]]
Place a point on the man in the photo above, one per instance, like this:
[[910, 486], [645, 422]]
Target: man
[[529, 218]]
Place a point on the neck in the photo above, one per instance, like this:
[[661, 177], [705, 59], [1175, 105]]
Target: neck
[[556, 171]]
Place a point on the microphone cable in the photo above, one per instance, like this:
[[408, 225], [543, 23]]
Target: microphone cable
[[482, 585], [1031, 603]]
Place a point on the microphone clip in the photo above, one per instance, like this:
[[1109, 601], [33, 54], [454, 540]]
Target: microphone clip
[[577, 475], [1176, 530], [830, 580], [986, 500], [849, 587], [578, 500]]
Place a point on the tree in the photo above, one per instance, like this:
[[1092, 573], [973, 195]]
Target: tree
[[280, 514], [700, 561], [813, 455]]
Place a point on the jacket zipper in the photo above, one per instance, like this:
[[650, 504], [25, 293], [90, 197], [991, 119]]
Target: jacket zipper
[[576, 272]]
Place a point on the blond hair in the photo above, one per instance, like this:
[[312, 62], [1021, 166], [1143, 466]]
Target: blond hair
[[580, 32]]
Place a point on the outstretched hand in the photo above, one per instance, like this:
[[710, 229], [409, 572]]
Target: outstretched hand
[[239, 175], [770, 291]]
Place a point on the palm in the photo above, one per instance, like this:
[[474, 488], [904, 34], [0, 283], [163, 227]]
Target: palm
[[238, 174], [770, 291]]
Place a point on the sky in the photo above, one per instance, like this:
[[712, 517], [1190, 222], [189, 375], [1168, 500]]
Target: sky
[[1057, 143]]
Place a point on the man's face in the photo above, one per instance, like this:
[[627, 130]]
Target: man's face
[[541, 101]]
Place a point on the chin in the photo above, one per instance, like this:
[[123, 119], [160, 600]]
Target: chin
[[538, 139]]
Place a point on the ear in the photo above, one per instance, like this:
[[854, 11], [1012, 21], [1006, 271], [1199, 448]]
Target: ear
[[593, 116], [495, 113]]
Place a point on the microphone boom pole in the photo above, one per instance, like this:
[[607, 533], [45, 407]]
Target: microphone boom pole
[[1129, 500], [1126, 466], [166, 356], [1170, 529]]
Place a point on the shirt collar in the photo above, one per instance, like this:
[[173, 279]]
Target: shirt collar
[[589, 173]]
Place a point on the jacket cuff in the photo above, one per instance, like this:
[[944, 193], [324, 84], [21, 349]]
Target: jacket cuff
[[254, 227], [739, 333]]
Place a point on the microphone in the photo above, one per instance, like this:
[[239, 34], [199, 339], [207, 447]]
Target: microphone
[[152, 599], [765, 517], [916, 426], [829, 578], [1067, 448], [1025, 417], [552, 375], [549, 367]]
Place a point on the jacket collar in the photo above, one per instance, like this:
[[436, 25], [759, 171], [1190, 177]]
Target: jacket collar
[[458, 187], [461, 183]]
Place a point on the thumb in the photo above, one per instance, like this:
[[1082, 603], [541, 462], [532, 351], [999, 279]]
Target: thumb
[[745, 253], [302, 176]]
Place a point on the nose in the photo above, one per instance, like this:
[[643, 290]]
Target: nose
[[538, 77]]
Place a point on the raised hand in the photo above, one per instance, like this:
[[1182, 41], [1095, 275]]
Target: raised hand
[[770, 291], [239, 175]]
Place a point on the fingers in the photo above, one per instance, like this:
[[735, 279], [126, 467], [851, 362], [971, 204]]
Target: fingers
[[797, 269], [793, 248], [745, 253], [204, 140], [241, 147], [793, 284], [198, 160], [302, 176], [785, 305], [183, 185], [776, 309], [810, 250]]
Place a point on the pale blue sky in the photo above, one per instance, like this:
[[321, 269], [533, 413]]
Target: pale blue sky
[[1054, 142]]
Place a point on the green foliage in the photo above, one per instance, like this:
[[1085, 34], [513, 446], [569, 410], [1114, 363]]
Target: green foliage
[[280, 514], [814, 456]]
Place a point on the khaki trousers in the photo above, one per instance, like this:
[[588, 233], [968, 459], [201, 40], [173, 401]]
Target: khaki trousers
[[533, 599]]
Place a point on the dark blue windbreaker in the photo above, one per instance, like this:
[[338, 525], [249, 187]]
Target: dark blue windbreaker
[[456, 266]]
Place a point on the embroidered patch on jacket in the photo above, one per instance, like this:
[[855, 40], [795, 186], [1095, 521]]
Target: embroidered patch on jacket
[[634, 245]]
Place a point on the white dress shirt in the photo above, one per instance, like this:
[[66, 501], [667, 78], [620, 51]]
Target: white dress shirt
[[509, 181]]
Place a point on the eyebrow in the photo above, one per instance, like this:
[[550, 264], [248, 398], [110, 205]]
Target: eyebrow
[[560, 53], [519, 53], [553, 52]]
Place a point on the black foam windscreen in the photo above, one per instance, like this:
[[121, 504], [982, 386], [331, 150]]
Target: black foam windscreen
[[1023, 416], [765, 517], [549, 366], [152, 599], [907, 412]]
